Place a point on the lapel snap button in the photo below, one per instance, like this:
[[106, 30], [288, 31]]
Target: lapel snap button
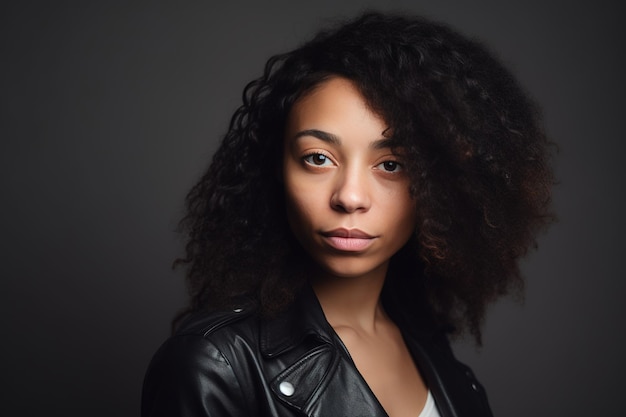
[[238, 310], [286, 388]]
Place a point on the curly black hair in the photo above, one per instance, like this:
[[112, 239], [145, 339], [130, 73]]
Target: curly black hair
[[473, 144]]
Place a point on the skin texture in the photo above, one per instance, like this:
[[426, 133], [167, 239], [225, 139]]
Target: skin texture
[[348, 204], [350, 182]]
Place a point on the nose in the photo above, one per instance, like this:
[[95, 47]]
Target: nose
[[351, 192]]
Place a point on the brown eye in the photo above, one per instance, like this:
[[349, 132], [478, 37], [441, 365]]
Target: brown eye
[[317, 159], [390, 166]]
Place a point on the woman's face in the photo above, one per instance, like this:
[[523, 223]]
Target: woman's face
[[347, 194]]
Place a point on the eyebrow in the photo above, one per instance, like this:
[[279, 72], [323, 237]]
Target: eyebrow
[[333, 139], [319, 134]]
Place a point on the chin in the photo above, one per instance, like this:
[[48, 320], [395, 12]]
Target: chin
[[351, 268]]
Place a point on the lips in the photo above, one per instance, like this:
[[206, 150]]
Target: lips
[[348, 240]]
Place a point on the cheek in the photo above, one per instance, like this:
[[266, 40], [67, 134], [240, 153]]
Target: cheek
[[410, 210], [411, 214], [300, 207], [403, 216]]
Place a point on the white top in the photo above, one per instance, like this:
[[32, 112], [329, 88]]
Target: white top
[[430, 409]]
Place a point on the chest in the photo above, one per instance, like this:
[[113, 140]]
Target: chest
[[387, 368]]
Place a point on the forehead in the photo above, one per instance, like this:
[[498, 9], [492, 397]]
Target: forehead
[[330, 90], [335, 102]]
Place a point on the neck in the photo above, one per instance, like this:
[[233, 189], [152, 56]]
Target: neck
[[352, 302]]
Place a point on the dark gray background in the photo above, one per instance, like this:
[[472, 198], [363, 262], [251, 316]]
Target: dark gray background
[[110, 112]]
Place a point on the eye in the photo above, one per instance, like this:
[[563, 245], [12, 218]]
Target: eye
[[317, 159], [390, 166]]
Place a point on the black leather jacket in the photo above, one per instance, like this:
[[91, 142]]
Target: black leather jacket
[[236, 364]]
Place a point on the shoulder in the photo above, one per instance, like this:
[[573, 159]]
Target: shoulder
[[197, 358], [207, 324], [206, 336]]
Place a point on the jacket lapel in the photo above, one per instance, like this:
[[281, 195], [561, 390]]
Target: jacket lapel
[[453, 385], [313, 372], [429, 364]]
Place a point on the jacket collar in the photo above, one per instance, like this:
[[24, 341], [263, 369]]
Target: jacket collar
[[329, 370], [302, 319], [318, 374]]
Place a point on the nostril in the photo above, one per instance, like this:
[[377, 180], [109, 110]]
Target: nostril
[[349, 203]]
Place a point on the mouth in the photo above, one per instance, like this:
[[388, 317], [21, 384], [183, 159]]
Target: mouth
[[348, 240]]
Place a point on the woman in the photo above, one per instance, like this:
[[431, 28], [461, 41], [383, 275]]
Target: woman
[[373, 194]]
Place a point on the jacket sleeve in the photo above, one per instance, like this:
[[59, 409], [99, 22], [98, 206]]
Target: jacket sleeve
[[190, 377]]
